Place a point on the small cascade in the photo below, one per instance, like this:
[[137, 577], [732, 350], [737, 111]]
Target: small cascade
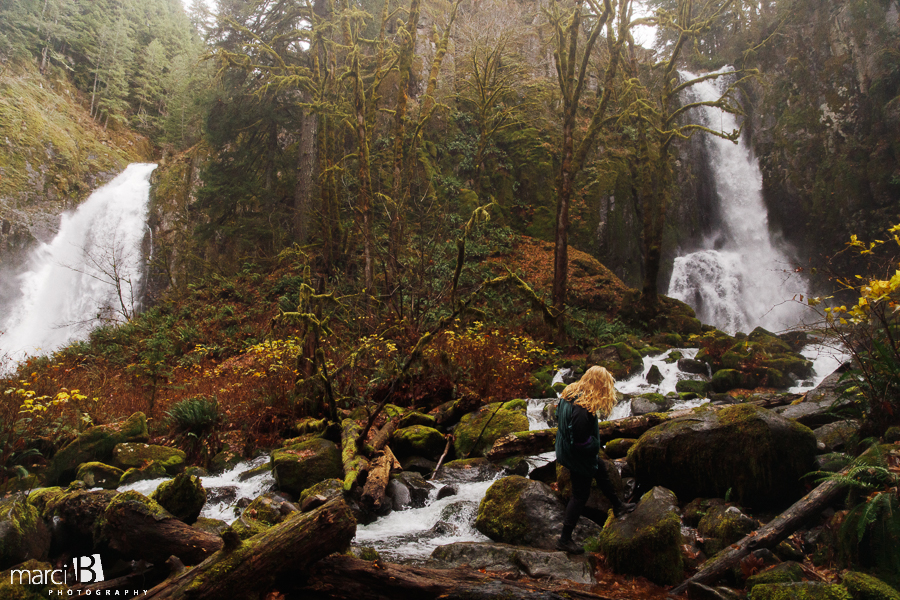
[[740, 278], [89, 274]]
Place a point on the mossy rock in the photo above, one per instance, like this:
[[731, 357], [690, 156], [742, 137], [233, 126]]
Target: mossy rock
[[523, 512], [697, 508], [183, 496], [95, 444], [786, 572], [130, 455], [99, 475], [468, 469], [618, 448], [31, 580], [892, 435], [21, 484], [726, 523], [416, 418], [806, 590], [667, 340], [877, 550], [418, 440], [304, 465], [838, 435], [393, 411], [477, 432], [620, 359], [330, 488], [757, 454], [650, 403], [77, 511], [647, 543], [214, 526], [725, 380], [258, 470], [23, 535], [771, 343], [246, 527], [309, 425], [541, 381], [517, 404], [153, 470], [271, 508], [693, 386], [866, 587], [224, 460]]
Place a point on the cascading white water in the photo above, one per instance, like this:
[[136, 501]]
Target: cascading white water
[[740, 279], [90, 273]]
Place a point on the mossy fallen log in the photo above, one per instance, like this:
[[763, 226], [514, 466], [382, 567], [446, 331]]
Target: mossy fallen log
[[354, 464], [344, 577], [249, 568], [523, 443], [373, 498]]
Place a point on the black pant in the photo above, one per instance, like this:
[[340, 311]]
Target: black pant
[[581, 491]]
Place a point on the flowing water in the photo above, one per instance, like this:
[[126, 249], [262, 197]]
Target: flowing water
[[89, 274], [740, 277]]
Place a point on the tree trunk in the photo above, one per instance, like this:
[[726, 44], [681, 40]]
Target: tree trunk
[[306, 174], [561, 238], [344, 577], [373, 498], [248, 569]]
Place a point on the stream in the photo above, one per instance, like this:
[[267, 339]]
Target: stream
[[410, 535]]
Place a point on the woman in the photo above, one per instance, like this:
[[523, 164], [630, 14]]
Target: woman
[[578, 446]]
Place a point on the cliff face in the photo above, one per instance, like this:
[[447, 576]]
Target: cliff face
[[826, 122], [52, 156]]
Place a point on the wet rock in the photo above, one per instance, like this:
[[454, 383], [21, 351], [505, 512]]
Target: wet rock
[[23, 535], [183, 496], [224, 460], [695, 367], [152, 470], [470, 469], [697, 508], [418, 440], [251, 473], [447, 491], [545, 473], [99, 475], [414, 493], [270, 508], [135, 455], [647, 542], [836, 436], [524, 512], [478, 431], [223, 494], [654, 375], [758, 455], [93, 445], [650, 403], [214, 526], [549, 413], [507, 558], [443, 528], [303, 465], [16, 585], [698, 388]]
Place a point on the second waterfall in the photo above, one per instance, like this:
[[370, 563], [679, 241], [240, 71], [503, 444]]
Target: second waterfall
[[740, 277]]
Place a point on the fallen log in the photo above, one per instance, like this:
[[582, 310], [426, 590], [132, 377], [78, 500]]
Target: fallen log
[[355, 465], [380, 439], [373, 498], [345, 577], [139, 527], [769, 535], [523, 443], [249, 568]]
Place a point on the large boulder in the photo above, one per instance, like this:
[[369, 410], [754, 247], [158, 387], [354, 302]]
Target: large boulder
[[806, 590], [418, 440], [95, 444], [303, 465], [620, 359], [753, 452], [647, 542], [134, 456], [73, 514], [477, 432], [183, 496], [519, 511], [23, 535]]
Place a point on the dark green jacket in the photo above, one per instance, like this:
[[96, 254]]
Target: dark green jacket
[[577, 445]]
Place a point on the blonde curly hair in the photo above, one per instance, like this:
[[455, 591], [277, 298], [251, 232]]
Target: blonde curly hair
[[595, 391]]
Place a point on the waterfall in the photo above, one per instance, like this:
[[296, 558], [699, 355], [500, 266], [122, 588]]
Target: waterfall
[[88, 275], [740, 278]]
